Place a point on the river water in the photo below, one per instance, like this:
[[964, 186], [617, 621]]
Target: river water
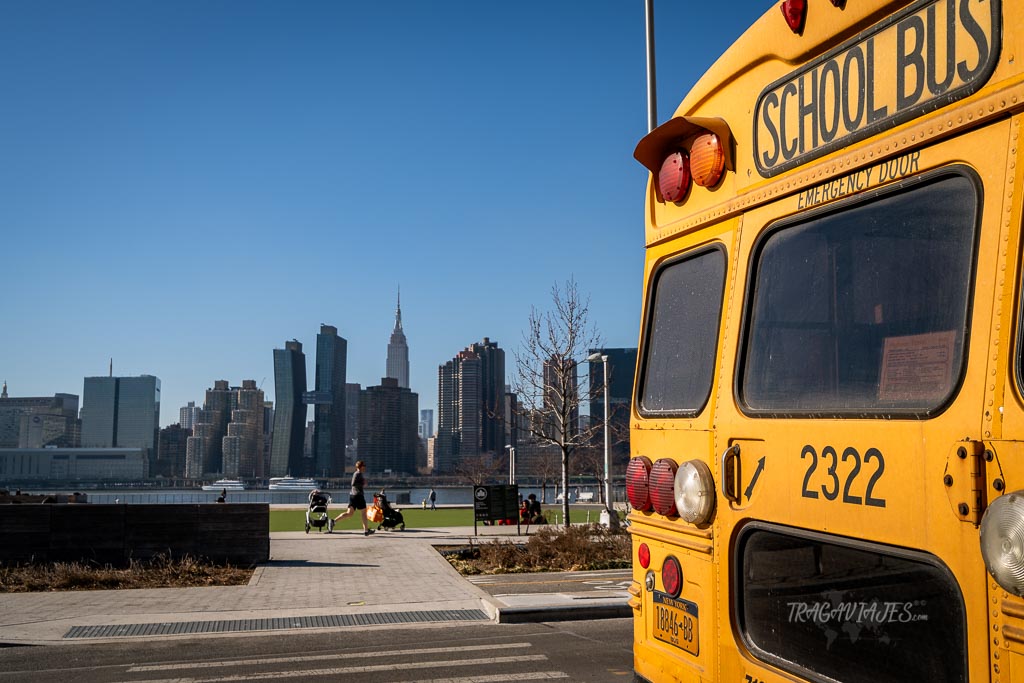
[[447, 495]]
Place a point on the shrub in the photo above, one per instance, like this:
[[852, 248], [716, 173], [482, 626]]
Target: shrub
[[578, 548], [160, 572]]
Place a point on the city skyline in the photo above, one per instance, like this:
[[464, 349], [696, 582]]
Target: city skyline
[[163, 149]]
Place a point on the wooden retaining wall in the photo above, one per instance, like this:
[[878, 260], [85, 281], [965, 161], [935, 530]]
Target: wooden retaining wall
[[237, 534]]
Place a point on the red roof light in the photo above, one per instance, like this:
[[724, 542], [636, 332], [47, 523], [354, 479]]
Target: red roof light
[[674, 177], [795, 12]]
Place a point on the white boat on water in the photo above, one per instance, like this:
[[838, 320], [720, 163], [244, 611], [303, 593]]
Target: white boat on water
[[292, 484], [225, 484]]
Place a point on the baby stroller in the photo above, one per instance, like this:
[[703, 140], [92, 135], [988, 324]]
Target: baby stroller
[[392, 516], [316, 514]]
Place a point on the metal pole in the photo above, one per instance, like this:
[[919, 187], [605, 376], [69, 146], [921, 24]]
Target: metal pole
[[652, 95], [607, 456]]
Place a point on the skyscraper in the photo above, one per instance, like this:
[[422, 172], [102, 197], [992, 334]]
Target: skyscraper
[[122, 412], [470, 405], [289, 410], [387, 428], [492, 395], [329, 403], [621, 370], [426, 426], [398, 350], [188, 415], [208, 431], [458, 411], [242, 445], [38, 421]]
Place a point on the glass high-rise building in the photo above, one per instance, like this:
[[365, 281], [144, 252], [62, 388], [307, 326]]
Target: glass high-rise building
[[289, 411], [122, 412], [621, 370], [329, 403]]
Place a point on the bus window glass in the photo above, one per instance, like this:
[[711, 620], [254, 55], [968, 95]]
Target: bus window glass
[[863, 310], [679, 356], [860, 612]]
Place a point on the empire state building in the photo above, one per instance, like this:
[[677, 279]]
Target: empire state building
[[398, 350]]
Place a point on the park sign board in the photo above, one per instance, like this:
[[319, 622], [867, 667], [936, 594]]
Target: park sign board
[[494, 503]]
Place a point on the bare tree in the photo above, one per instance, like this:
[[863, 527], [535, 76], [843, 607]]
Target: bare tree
[[547, 379], [547, 466], [478, 469]]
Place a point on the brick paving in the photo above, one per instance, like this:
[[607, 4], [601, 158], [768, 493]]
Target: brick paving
[[308, 575]]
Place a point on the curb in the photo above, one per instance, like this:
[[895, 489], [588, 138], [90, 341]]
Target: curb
[[528, 615]]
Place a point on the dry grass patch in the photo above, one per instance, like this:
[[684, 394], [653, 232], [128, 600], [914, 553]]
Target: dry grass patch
[[551, 549], [161, 572]]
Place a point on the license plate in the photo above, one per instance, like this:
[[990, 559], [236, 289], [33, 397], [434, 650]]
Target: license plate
[[675, 622]]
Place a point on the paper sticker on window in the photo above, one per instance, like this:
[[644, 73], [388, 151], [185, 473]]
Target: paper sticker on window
[[917, 366]]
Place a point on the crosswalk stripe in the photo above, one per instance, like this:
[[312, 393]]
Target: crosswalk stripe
[[177, 666], [347, 670], [498, 678]]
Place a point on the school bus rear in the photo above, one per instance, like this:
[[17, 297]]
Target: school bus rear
[[828, 425]]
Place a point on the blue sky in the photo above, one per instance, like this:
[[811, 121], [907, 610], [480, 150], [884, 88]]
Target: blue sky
[[185, 185]]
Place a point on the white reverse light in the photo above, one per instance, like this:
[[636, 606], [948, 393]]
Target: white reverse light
[[1002, 541], [694, 489]]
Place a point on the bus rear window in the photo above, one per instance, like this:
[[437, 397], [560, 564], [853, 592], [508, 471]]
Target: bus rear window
[[682, 334], [863, 310], [831, 609]]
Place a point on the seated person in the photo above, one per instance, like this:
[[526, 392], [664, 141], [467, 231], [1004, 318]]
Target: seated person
[[535, 513]]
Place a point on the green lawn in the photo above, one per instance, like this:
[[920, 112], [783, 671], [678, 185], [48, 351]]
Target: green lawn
[[415, 517]]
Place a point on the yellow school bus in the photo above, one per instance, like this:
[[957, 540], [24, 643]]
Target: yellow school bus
[[827, 459]]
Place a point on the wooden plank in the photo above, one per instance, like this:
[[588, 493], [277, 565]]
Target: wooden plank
[[87, 533], [24, 534]]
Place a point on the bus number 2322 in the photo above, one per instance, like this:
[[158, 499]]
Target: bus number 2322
[[839, 474]]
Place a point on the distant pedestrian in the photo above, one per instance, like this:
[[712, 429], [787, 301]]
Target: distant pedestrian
[[433, 499], [356, 499], [223, 494]]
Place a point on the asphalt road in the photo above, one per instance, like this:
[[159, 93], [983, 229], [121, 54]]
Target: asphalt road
[[597, 650]]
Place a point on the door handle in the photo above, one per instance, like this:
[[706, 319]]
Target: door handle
[[731, 473]]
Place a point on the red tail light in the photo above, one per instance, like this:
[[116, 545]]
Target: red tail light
[[643, 553], [638, 483], [672, 576], [663, 476]]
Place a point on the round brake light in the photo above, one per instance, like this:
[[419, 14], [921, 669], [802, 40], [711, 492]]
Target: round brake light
[[674, 177], [638, 483], [672, 576], [663, 475]]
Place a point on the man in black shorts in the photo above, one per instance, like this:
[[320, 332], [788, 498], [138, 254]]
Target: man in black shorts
[[356, 500]]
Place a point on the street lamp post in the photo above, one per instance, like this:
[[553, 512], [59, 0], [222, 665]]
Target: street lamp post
[[612, 518], [511, 464]]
